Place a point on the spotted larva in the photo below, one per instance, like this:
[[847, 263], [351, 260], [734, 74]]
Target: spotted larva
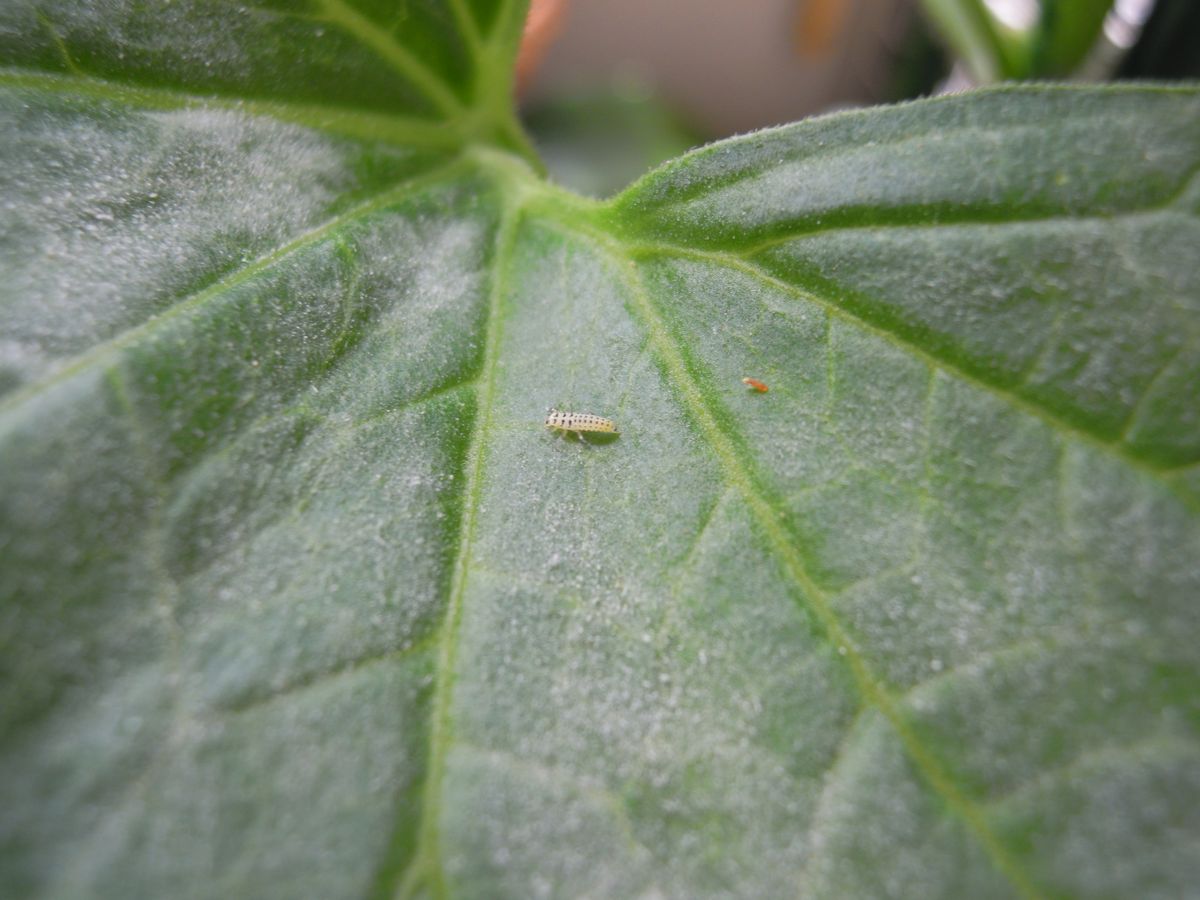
[[577, 423]]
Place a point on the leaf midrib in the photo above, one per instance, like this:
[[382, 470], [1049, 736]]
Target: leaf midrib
[[426, 863]]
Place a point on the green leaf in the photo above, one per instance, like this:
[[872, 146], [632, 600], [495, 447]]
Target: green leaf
[[420, 73], [299, 598], [1066, 32], [1052, 46], [988, 50]]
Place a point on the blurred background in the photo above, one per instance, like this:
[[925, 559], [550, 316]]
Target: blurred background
[[611, 88]]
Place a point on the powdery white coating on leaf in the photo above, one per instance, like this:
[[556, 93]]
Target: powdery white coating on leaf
[[820, 172], [113, 219], [903, 629], [608, 667], [291, 541], [322, 595], [875, 807], [840, 446], [419, 297], [1142, 789], [990, 503], [501, 806], [306, 55], [1090, 690], [732, 321], [833, 178], [1046, 331], [117, 25], [338, 747], [955, 528]]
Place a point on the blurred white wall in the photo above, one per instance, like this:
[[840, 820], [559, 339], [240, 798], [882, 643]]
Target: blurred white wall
[[730, 65]]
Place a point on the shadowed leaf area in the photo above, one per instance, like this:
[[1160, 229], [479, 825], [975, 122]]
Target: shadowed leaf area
[[299, 598]]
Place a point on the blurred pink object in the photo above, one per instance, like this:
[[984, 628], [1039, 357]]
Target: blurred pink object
[[542, 25], [729, 66]]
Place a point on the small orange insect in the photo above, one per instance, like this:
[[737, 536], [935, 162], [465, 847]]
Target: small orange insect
[[756, 384], [578, 423]]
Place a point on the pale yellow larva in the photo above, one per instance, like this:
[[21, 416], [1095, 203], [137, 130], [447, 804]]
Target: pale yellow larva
[[577, 423]]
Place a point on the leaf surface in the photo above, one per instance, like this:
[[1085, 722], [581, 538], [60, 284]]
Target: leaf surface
[[298, 597]]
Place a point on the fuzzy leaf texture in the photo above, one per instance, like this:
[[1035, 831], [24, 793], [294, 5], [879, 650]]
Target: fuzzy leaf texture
[[298, 598]]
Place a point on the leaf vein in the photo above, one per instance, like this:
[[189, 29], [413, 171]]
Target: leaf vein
[[426, 862], [100, 353], [1135, 410], [357, 123], [769, 518], [468, 25], [397, 56], [254, 702], [813, 838], [1055, 421], [1149, 748]]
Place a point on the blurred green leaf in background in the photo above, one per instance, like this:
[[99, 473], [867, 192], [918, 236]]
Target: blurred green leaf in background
[[1001, 40], [597, 142]]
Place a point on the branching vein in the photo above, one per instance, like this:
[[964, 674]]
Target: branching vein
[[740, 476]]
